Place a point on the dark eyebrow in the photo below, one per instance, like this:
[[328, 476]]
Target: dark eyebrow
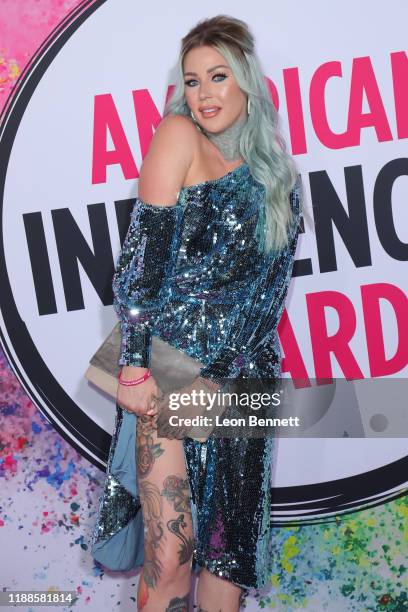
[[209, 70]]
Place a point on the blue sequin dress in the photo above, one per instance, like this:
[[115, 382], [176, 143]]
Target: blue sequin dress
[[192, 274]]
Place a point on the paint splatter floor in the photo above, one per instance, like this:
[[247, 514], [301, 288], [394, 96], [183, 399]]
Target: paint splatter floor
[[49, 500]]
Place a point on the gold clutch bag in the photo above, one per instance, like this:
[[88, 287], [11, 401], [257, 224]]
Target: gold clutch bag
[[172, 369]]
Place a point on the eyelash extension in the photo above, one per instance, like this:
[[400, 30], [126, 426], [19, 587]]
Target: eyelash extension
[[217, 74]]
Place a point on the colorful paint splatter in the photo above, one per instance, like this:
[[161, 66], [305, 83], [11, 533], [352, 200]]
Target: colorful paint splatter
[[49, 500], [50, 492]]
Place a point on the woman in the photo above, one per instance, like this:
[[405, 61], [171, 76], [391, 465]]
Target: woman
[[205, 266]]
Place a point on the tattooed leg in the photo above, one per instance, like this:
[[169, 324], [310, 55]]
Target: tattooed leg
[[154, 532], [165, 501], [177, 491], [185, 551]]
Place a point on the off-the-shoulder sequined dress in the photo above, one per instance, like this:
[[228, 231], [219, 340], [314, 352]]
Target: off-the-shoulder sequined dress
[[192, 274]]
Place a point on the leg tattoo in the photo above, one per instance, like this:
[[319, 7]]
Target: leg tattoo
[[177, 604], [153, 518], [186, 548], [177, 490], [147, 451]]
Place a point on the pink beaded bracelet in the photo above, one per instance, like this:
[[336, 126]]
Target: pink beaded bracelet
[[135, 381]]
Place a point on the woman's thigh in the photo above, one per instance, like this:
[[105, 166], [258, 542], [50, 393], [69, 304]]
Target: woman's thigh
[[165, 499]]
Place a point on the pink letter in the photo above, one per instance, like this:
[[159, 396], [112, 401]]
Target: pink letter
[[338, 344], [106, 117], [147, 116], [292, 361], [399, 66], [318, 107], [371, 295], [295, 110], [363, 80]]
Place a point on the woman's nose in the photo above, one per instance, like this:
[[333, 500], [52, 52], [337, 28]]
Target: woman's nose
[[205, 92]]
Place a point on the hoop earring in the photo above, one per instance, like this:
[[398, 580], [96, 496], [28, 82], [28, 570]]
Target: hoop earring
[[198, 126], [248, 105]]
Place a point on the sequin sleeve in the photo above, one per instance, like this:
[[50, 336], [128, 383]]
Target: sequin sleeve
[[140, 281], [263, 310]]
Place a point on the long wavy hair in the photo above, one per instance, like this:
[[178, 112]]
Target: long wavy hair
[[261, 144]]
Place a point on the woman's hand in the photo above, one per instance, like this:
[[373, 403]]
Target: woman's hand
[[140, 399]]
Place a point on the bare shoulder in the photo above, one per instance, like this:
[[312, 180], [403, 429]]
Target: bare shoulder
[[178, 126], [168, 160]]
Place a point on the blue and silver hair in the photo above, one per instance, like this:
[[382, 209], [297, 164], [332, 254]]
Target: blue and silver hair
[[261, 144]]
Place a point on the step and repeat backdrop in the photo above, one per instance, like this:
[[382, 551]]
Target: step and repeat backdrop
[[83, 87]]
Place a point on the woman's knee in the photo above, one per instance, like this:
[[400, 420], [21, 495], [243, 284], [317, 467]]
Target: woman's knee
[[172, 571], [169, 546]]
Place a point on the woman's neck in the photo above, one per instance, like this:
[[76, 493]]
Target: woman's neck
[[227, 141]]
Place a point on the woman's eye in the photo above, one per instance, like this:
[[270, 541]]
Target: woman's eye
[[219, 74]]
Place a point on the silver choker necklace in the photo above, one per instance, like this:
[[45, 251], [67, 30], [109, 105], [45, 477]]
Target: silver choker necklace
[[227, 141]]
